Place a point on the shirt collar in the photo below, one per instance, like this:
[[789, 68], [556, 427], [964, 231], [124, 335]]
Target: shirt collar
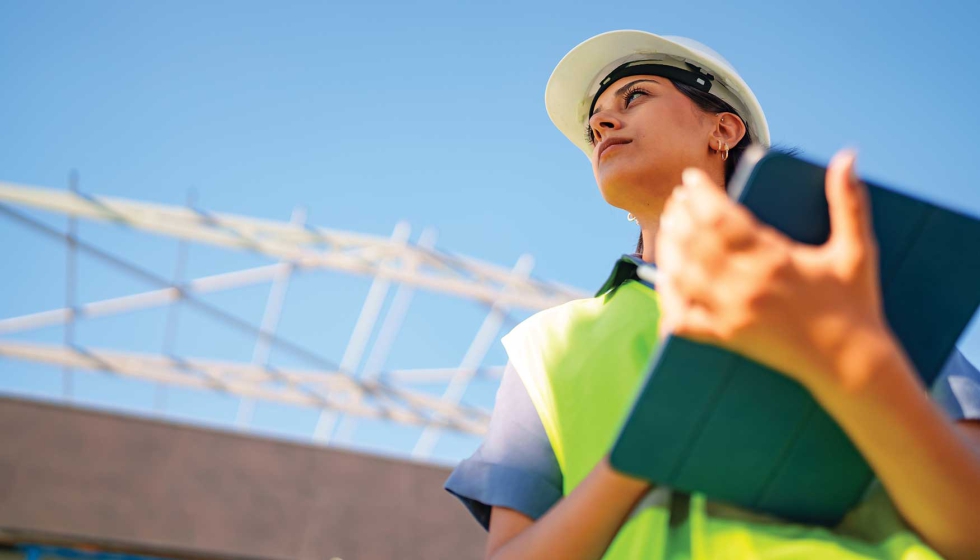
[[623, 270]]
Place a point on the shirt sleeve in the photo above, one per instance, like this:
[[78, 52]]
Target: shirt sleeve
[[957, 389], [515, 466]]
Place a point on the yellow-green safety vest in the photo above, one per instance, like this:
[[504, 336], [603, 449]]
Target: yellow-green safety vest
[[582, 364]]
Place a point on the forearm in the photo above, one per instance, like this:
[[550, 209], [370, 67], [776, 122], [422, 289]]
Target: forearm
[[929, 469], [583, 524]]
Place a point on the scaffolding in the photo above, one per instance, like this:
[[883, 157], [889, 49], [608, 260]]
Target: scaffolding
[[355, 387]]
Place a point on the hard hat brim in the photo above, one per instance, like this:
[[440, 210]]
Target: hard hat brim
[[575, 80]]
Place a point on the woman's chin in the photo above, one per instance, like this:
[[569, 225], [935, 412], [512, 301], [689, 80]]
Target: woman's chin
[[628, 189], [621, 168], [617, 195]]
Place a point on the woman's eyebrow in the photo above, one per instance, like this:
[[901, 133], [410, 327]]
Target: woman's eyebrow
[[623, 89]]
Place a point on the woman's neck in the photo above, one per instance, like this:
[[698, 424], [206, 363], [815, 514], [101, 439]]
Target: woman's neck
[[651, 222], [649, 234]]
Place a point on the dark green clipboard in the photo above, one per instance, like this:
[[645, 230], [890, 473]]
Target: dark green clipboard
[[710, 421]]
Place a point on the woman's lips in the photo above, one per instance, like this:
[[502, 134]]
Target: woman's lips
[[610, 144]]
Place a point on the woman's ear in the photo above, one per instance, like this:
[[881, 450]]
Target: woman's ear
[[729, 129]]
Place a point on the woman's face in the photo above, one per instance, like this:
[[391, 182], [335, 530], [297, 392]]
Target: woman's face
[[645, 134]]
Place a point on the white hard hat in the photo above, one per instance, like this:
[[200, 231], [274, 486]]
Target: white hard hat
[[598, 62]]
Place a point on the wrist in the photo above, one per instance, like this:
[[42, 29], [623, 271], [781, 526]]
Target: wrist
[[864, 357], [621, 480]]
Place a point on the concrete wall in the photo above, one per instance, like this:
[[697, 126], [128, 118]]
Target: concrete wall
[[70, 475]]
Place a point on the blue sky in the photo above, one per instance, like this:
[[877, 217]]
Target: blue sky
[[431, 112]]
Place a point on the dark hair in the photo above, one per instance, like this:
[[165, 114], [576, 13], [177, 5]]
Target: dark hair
[[712, 104]]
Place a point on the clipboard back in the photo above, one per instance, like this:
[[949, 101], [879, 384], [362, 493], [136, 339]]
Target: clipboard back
[[711, 421]]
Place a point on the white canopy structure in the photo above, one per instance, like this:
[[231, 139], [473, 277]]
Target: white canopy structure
[[330, 386]]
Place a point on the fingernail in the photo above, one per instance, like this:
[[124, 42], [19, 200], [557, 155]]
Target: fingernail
[[854, 167], [848, 157], [689, 176]]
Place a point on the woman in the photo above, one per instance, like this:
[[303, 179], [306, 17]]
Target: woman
[[657, 112]]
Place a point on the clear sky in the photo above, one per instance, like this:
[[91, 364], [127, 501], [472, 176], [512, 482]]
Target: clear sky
[[368, 113]]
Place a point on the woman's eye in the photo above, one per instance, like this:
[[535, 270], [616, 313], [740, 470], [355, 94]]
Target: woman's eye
[[630, 96], [589, 135]]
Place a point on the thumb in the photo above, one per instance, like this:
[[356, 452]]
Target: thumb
[[850, 208]]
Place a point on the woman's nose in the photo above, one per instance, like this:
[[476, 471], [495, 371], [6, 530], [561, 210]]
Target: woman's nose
[[602, 122]]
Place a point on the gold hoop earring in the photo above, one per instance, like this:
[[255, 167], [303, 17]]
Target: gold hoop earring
[[724, 154], [631, 217]]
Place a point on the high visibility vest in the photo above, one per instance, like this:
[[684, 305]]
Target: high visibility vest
[[583, 363]]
